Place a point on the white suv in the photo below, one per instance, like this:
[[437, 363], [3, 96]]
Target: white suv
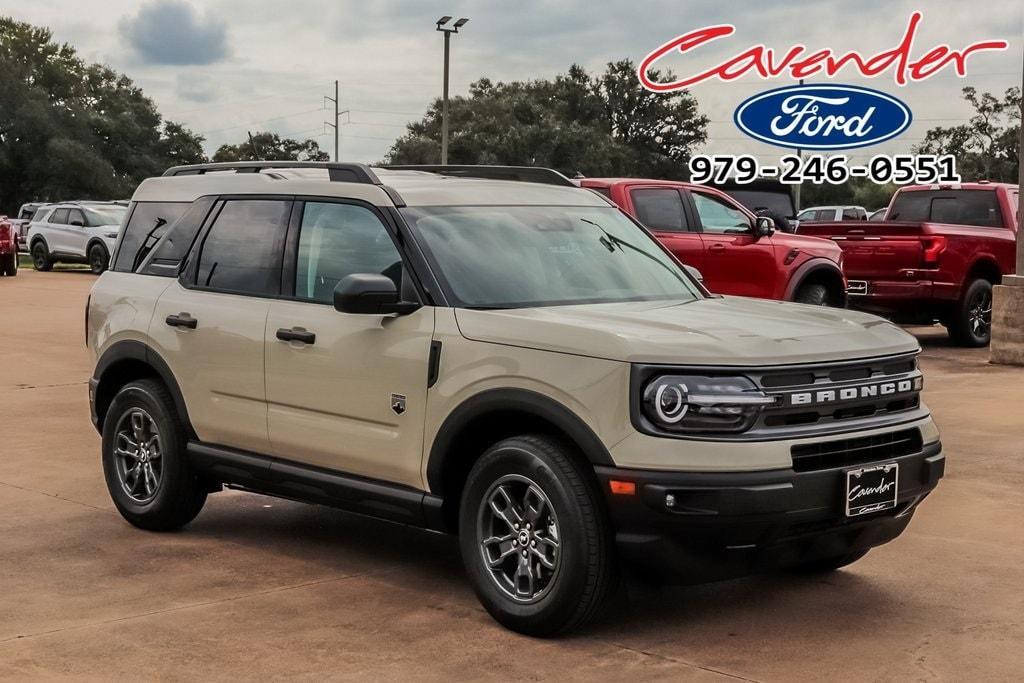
[[75, 232], [517, 363]]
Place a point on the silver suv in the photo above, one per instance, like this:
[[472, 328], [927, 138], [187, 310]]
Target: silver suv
[[512, 360], [74, 232]]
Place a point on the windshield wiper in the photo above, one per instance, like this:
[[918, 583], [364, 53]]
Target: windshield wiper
[[146, 247], [616, 241]]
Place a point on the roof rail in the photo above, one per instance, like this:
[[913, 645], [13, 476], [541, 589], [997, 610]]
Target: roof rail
[[346, 173], [528, 174]]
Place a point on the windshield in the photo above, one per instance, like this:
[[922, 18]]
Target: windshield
[[520, 256], [104, 215]]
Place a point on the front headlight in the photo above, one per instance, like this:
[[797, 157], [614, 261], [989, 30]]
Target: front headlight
[[694, 404]]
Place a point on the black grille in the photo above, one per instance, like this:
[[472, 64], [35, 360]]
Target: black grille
[[856, 451]]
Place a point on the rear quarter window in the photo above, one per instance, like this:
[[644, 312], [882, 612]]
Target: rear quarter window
[[956, 207], [147, 223]]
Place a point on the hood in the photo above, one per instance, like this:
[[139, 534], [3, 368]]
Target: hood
[[717, 331]]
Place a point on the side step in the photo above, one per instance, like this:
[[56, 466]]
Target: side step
[[308, 484]]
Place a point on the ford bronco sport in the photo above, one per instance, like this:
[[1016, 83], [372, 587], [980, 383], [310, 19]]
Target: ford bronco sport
[[518, 363]]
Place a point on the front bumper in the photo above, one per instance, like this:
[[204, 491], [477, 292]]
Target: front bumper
[[731, 524]]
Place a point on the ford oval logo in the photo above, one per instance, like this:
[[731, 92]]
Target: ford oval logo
[[822, 116]]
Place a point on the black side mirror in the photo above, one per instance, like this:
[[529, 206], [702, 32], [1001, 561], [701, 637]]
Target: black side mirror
[[763, 226], [77, 223], [370, 294]]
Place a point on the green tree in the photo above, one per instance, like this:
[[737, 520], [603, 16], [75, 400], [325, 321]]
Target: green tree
[[986, 147], [268, 146], [603, 125], [69, 129]]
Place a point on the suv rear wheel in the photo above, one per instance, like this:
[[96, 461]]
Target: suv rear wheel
[[534, 538], [98, 259], [144, 461], [41, 257], [971, 322]]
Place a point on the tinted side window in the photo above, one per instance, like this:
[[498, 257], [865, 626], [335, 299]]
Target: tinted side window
[[59, 216], [958, 207], [338, 240], [660, 209], [242, 251], [76, 215], [851, 215], [166, 256], [147, 223], [718, 216]]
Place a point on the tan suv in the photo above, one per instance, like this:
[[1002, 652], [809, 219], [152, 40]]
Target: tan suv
[[513, 360]]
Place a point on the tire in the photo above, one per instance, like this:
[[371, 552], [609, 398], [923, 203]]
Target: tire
[[970, 323], [174, 494], [830, 564], [582, 575], [41, 260], [9, 264], [99, 259], [813, 294]]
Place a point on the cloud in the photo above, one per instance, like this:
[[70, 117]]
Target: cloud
[[173, 32]]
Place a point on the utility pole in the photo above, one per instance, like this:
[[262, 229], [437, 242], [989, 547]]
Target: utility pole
[[337, 124], [252, 144], [441, 26]]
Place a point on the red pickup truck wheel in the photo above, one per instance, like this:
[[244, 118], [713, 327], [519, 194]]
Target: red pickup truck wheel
[[9, 264], [971, 322]]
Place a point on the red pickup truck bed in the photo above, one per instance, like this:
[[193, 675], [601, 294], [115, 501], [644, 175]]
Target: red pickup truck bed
[[934, 258]]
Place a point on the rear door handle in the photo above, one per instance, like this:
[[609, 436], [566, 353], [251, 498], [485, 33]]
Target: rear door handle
[[182, 320], [716, 247], [296, 334]]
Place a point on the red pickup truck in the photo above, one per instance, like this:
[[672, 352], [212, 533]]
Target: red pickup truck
[[8, 247], [709, 230], [934, 257]]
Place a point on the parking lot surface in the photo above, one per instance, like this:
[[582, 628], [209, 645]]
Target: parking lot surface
[[259, 587]]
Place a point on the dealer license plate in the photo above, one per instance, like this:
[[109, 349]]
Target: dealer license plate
[[871, 489]]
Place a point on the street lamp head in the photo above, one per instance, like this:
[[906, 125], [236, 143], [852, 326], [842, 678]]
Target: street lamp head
[[461, 22], [442, 21]]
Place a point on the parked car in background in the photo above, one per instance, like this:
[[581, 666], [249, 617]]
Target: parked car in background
[[732, 248], [822, 214], [8, 247], [935, 257], [21, 222], [878, 214], [75, 232]]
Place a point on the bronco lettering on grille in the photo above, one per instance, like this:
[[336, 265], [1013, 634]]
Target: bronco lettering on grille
[[807, 398]]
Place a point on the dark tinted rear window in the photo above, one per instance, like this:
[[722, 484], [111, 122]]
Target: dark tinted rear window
[[660, 209], [59, 217], [166, 256], [959, 207], [147, 224]]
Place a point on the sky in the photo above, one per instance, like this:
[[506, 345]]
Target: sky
[[225, 67]]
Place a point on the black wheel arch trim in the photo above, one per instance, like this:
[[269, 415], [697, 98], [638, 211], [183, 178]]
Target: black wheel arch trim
[[495, 401], [808, 268], [138, 351]]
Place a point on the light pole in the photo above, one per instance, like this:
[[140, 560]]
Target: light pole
[[447, 31]]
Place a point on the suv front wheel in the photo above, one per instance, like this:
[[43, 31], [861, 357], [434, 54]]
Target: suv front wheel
[[534, 537], [98, 259], [144, 460]]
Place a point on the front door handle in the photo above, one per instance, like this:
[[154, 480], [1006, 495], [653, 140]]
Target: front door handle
[[182, 320], [296, 334], [716, 247]]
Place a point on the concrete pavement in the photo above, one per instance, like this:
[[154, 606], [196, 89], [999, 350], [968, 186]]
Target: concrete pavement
[[258, 587]]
